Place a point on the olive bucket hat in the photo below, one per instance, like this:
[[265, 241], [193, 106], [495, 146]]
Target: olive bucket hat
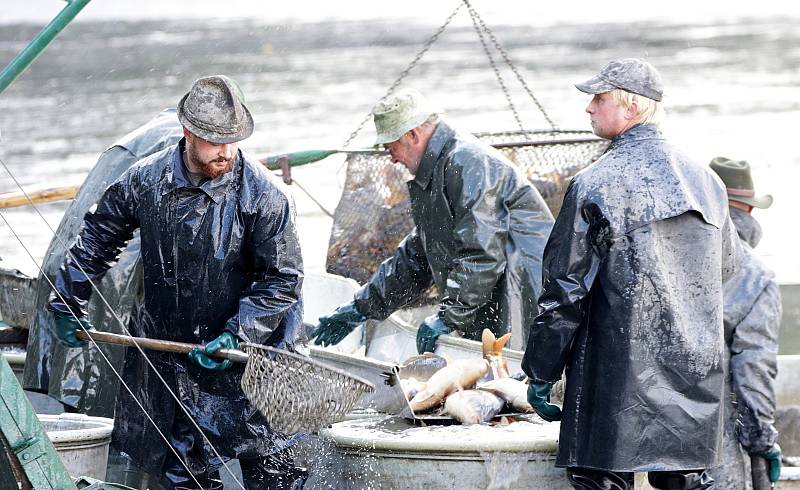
[[397, 114], [213, 110], [735, 174]]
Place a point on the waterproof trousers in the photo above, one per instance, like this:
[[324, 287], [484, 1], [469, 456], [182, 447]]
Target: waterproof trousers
[[591, 479], [273, 472]]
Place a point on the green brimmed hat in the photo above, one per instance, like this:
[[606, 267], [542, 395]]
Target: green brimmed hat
[[735, 174], [397, 114]]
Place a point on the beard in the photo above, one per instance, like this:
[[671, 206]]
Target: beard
[[209, 168]]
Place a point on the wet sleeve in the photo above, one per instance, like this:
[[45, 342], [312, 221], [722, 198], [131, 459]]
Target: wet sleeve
[[477, 193], [754, 366], [277, 272], [399, 280], [730, 249], [571, 260], [104, 234]]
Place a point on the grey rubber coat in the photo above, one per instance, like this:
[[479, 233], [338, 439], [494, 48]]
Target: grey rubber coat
[[81, 378], [752, 322], [632, 308], [223, 256], [480, 232]]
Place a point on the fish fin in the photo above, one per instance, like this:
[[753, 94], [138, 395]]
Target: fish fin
[[497, 345], [488, 340]]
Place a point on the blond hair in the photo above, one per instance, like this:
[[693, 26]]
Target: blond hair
[[650, 111]]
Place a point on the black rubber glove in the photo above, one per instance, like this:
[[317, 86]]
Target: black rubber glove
[[65, 327], [335, 327]]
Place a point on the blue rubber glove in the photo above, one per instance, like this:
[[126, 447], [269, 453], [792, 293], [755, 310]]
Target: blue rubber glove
[[773, 457], [201, 356], [429, 332], [539, 398], [65, 327], [335, 327]]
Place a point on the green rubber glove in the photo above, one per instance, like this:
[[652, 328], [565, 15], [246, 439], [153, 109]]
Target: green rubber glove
[[201, 356], [429, 332], [539, 398], [773, 457], [335, 327], [65, 327]]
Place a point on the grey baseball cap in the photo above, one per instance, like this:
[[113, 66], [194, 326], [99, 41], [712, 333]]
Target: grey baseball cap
[[397, 114], [213, 110], [629, 74]]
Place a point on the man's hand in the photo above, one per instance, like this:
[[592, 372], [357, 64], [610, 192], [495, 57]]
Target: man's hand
[[335, 327], [539, 398], [201, 356], [773, 457], [65, 327], [429, 332]]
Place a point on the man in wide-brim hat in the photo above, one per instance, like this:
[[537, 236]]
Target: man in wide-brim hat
[[480, 230], [221, 264], [752, 314]]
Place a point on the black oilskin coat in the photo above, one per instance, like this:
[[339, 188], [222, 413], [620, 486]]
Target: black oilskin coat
[[480, 232], [220, 257], [632, 307]]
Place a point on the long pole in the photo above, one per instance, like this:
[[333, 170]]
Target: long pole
[[40, 42]]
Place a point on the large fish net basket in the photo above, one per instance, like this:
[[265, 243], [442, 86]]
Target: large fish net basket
[[373, 214], [296, 393]]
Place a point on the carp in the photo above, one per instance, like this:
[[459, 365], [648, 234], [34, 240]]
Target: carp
[[473, 406], [457, 375], [514, 392], [423, 366], [493, 352], [411, 386]]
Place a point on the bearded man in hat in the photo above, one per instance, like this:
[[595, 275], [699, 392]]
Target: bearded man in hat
[[752, 316], [479, 235], [632, 301], [221, 264]]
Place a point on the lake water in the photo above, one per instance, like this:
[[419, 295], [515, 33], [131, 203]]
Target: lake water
[[732, 90]]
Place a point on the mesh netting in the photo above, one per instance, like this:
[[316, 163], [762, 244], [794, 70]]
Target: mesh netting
[[373, 214], [295, 393]]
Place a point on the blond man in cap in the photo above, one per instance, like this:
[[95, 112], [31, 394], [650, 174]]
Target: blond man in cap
[[752, 320], [221, 264], [479, 235], [632, 301]]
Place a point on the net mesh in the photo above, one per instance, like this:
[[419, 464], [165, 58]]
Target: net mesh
[[373, 214], [295, 393]]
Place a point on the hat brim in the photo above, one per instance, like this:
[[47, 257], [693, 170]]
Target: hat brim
[[760, 202], [390, 135], [212, 136], [594, 86]]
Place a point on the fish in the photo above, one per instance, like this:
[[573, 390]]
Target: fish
[[458, 375], [513, 392], [473, 406], [493, 352], [423, 366], [411, 386]]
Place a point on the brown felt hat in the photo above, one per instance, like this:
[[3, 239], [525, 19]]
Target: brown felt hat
[[735, 174], [213, 110]]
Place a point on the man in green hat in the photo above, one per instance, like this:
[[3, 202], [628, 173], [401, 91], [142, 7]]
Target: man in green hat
[[480, 233], [752, 312]]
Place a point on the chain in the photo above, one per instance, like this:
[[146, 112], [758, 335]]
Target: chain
[[475, 19], [474, 14], [405, 72]]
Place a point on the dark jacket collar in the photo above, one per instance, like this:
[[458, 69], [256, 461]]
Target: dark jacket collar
[[636, 133], [441, 135], [215, 189]]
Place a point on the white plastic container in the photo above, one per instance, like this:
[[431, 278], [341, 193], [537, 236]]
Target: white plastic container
[[81, 442]]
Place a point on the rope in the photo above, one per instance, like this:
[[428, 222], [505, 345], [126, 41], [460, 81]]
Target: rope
[[124, 328], [474, 16], [510, 64], [319, 204], [405, 72]]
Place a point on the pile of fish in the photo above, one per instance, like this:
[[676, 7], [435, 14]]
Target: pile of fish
[[471, 391]]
